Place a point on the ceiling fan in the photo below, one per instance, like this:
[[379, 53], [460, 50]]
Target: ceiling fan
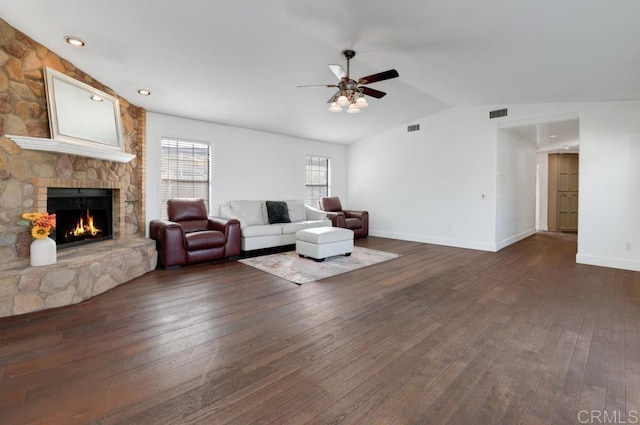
[[351, 92]]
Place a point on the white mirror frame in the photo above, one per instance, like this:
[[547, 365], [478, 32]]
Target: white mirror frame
[[74, 117]]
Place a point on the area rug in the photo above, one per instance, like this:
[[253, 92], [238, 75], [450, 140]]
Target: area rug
[[289, 266]]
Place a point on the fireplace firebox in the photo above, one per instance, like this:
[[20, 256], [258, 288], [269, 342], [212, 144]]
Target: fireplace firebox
[[82, 215]]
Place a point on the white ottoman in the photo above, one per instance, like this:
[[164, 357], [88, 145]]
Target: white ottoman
[[319, 243]]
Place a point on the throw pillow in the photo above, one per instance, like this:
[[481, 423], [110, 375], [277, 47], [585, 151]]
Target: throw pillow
[[278, 212], [297, 211], [248, 210]]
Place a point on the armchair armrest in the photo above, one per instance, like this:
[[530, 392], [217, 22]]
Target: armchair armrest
[[231, 229], [364, 218], [337, 218], [221, 224], [356, 214], [169, 237]]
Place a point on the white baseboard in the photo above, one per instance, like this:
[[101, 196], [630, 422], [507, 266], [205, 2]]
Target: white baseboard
[[480, 246], [616, 263], [515, 238]]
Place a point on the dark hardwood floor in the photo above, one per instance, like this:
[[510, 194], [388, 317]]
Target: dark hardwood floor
[[438, 336]]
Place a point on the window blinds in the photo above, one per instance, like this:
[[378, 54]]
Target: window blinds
[[185, 171]]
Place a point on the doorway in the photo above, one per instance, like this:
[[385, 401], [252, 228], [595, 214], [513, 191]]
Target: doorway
[[551, 137], [562, 214]]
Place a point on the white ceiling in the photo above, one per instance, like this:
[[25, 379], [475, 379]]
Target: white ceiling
[[239, 62], [551, 136]]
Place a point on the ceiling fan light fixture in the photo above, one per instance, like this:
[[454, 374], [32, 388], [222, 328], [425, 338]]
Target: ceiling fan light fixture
[[335, 107], [351, 91], [353, 109], [343, 100], [361, 102]]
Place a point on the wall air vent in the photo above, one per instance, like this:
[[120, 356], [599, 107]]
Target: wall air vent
[[498, 113], [414, 127]]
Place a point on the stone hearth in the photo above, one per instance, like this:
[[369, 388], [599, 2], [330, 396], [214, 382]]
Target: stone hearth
[[79, 274]]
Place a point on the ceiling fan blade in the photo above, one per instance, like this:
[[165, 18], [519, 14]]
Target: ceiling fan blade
[[380, 76], [318, 85], [338, 71], [371, 92]]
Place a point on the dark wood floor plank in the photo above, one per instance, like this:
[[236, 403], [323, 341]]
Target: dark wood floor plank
[[438, 335], [616, 381], [594, 387]]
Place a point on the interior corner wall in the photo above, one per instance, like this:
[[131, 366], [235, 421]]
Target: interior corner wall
[[436, 185], [247, 164], [516, 189]]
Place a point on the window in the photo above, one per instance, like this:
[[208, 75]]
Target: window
[[317, 179], [185, 171]]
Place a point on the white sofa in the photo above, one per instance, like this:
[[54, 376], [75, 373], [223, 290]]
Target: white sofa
[[257, 233]]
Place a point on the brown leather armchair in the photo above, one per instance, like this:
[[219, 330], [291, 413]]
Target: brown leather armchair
[[191, 236], [358, 221]]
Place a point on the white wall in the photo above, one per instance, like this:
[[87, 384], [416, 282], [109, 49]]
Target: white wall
[[428, 185], [542, 195], [516, 189], [609, 204], [247, 164]]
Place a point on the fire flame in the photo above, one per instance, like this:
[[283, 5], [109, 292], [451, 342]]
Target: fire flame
[[89, 228]]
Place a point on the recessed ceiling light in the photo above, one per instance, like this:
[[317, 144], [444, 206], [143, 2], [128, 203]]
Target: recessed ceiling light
[[74, 41], [553, 136], [96, 98], [143, 92]]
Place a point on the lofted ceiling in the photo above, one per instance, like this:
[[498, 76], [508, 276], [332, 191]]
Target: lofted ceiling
[[238, 62]]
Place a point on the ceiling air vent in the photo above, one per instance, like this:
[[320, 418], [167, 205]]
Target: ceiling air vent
[[414, 127], [498, 113]]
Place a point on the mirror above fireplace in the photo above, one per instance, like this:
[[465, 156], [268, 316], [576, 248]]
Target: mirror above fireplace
[[84, 121], [82, 114]]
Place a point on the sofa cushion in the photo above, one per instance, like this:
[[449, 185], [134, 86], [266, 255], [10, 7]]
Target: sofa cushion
[[248, 212], [301, 225], [265, 214], [297, 210], [261, 230], [278, 212]]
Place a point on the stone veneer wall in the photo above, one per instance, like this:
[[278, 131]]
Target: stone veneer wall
[[23, 111], [25, 175]]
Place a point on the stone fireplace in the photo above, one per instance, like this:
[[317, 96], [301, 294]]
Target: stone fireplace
[[32, 165], [79, 273]]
